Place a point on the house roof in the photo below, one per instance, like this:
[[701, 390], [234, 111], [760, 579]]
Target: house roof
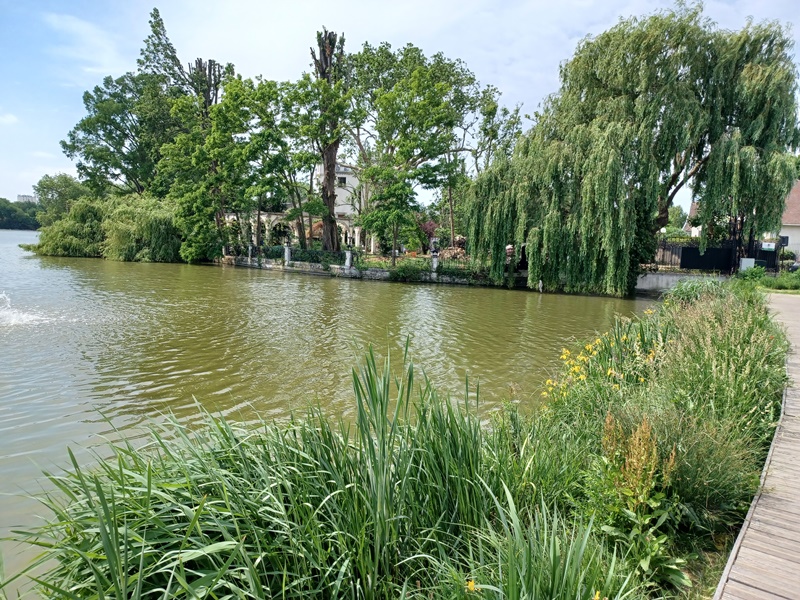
[[791, 214], [687, 227]]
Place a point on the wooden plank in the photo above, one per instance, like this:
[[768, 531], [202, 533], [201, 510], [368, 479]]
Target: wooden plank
[[779, 503], [787, 570], [762, 579], [774, 531], [735, 590], [772, 547]]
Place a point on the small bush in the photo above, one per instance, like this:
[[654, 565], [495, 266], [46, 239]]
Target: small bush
[[752, 274]]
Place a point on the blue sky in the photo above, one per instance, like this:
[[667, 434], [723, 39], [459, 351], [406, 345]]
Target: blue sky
[[53, 51]]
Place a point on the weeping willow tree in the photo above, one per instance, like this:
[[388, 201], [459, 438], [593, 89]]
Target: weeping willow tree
[[644, 109]]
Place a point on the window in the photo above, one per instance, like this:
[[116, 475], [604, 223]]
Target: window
[[342, 181]]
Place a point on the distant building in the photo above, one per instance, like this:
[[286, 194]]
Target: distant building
[[348, 201], [348, 206], [790, 222], [25, 198], [687, 226]]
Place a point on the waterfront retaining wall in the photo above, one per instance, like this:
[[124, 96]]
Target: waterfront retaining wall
[[649, 283]]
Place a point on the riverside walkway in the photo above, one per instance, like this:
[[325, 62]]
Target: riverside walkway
[[765, 560]]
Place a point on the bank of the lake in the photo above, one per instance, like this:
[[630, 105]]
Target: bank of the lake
[[85, 337]]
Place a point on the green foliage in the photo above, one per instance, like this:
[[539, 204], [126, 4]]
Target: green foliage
[[409, 499], [394, 207], [677, 217], [752, 274], [141, 229], [55, 194], [118, 143], [674, 463], [784, 281], [322, 257], [644, 108], [126, 228], [410, 269], [14, 216], [79, 233]]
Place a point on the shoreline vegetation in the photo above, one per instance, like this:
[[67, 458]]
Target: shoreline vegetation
[[629, 481]]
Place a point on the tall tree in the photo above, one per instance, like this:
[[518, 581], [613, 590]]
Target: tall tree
[[326, 100], [56, 194], [209, 175], [394, 206], [421, 116], [117, 144], [644, 109]]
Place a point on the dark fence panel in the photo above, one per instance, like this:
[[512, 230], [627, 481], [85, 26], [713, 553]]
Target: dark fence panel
[[318, 256], [767, 258], [713, 259]]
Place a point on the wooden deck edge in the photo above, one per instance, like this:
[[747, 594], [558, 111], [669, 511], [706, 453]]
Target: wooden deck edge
[[748, 518]]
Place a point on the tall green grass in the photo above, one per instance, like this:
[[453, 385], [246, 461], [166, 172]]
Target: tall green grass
[[647, 448]]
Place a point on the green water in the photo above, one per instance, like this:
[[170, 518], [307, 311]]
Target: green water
[[86, 343]]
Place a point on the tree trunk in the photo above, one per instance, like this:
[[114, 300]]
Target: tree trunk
[[301, 228], [330, 232], [452, 222], [394, 243], [310, 217]]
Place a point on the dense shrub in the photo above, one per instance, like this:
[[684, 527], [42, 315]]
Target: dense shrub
[[79, 233], [130, 228], [141, 229]]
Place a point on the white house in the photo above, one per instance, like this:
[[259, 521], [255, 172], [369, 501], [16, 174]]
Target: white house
[[348, 206], [790, 223]]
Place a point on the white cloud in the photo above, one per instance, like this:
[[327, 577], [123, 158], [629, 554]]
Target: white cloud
[[516, 45], [86, 51], [8, 119]]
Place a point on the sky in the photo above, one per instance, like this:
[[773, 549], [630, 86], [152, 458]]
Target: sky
[[53, 51]]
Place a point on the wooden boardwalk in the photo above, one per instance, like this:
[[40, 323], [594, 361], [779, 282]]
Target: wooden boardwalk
[[765, 560]]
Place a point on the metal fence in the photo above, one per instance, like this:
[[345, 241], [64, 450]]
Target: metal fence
[[722, 257], [462, 267], [686, 255]]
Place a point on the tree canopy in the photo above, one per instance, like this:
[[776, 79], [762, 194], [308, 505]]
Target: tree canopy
[[644, 108]]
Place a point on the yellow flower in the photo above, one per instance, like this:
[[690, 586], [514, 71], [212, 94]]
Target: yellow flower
[[624, 338], [588, 347], [544, 394], [582, 377], [610, 372], [649, 311], [615, 386], [471, 586], [596, 595], [641, 379], [597, 341]]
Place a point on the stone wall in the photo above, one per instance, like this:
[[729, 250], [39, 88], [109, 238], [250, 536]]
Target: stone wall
[[649, 283]]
